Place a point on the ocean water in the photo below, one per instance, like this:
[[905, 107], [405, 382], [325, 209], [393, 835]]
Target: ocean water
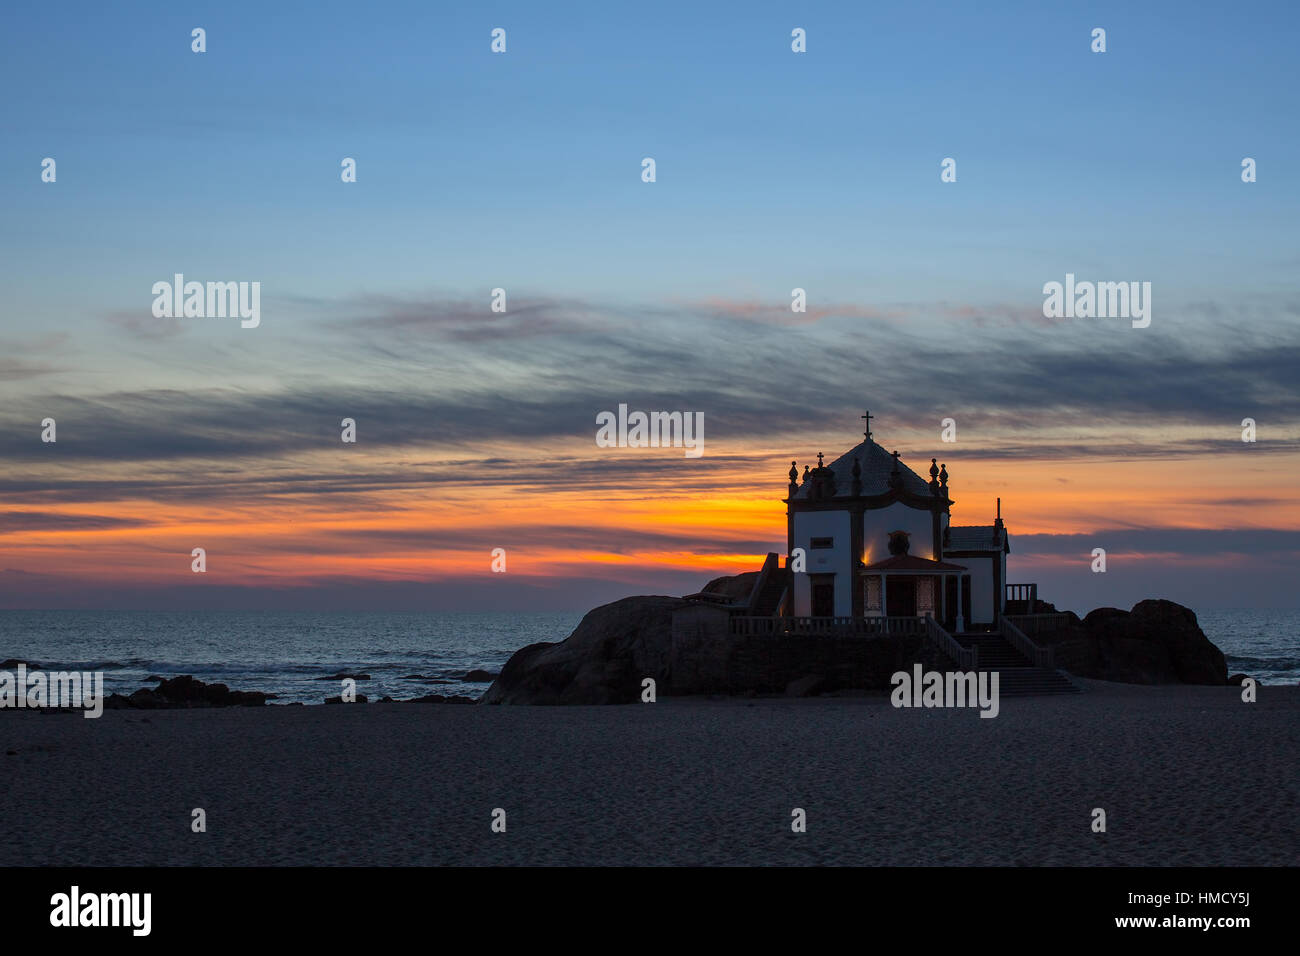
[[283, 653], [1262, 644], [409, 654]]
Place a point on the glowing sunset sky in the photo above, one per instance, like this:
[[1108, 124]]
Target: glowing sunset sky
[[522, 171]]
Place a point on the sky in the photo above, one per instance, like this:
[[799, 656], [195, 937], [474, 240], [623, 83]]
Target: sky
[[522, 170]]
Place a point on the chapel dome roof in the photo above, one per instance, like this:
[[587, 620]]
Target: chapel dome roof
[[876, 465]]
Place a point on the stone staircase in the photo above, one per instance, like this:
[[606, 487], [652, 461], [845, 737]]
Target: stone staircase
[[1017, 675], [769, 589]]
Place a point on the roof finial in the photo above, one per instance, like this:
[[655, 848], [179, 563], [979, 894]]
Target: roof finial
[[819, 460], [867, 418]]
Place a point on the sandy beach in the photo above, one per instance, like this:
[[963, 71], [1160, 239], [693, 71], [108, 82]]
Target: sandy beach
[[1186, 775]]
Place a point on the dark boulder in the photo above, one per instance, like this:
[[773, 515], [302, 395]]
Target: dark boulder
[[144, 699], [602, 662], [1158, 642], [687, 648], [806, 686], [185, 691], [737, 587]]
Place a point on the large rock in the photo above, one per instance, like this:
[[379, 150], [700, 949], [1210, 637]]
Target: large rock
[[602, 662], [805, 686], [735, 586], [185, 691], [687, 649], [1158, 642]]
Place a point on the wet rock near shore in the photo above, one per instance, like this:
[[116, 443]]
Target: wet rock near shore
[[186, 691]]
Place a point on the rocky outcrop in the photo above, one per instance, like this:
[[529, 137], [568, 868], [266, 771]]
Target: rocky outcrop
[[1157, 642], [185, 691], [602, 662], [735, 586], [687, 650]]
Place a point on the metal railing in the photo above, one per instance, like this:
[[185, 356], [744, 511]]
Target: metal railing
[[1024, 592], [1040, 656], [967, 658], [837, 626]]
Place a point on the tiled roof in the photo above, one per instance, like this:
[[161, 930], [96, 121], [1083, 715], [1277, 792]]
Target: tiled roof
[[984, 537]]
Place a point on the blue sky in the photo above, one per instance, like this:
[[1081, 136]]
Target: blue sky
[[775, 170]]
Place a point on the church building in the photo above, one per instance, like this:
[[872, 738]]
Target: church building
[[877, 542]]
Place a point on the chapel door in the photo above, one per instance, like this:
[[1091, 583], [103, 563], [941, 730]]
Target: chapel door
[[823, 595], [900, 595]]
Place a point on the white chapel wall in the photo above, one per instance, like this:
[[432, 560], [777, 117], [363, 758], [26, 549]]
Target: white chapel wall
[[876, 526], [981, 587], [836, 560]]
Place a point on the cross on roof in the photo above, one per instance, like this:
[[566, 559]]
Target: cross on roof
[[867, 418]]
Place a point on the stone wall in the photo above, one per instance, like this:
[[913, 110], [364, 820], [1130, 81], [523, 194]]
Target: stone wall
[[706, 658]]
